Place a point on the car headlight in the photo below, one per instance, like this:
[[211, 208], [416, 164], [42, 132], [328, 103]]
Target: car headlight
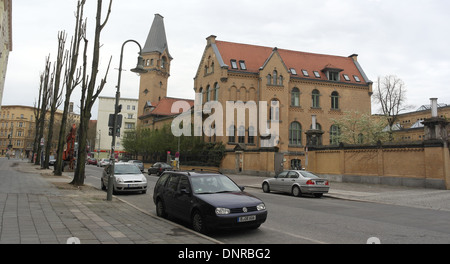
[[261, 207], [119, 180], [222, 211], [144, 179]]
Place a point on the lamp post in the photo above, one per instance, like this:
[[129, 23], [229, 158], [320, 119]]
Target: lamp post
[[139, 69]]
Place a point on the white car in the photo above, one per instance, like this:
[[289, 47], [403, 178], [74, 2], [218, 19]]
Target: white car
[[103, 163], [127, 178]]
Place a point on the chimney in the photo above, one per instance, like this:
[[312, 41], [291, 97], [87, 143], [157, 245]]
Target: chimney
[[434, 107], [211, 39], [354, 57]]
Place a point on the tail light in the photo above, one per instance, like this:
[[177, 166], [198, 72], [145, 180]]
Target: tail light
[[326, 183], [310, 182]]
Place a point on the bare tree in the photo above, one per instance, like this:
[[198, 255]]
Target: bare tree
[[390, 93], [90, 93], [44, 94], [55, 100], [72, 79]]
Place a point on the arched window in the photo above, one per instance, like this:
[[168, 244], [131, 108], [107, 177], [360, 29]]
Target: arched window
[[231, 137], [281, 80], [216, 92], [251, 135], [334, 100], [200, 91], [275, 77], [295, 133], [274, 110], [335, 132], [208, 93], [163, 62], [269, 79], [295, 97], [315, 98], [241, 134]]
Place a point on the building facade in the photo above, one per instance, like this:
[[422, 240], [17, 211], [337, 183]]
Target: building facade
[[18, 129], [129, 120], [5, 41], [309, 88], [409, 125]]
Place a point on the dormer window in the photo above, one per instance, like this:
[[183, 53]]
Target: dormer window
[[234, 64], [305, 73], [242, 64], [356, 78], [332, 72], [333, 76], [346, 77], [293, 71], [317, 74]]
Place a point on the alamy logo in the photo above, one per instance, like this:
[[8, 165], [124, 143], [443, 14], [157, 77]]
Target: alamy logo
[[235, 118]]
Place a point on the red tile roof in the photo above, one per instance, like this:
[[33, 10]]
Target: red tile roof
[[256, 56], [164, 106]]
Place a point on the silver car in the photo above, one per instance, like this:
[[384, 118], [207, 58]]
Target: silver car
[[127, 178], [297, 182]]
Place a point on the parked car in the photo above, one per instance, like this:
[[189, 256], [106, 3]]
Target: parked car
[[138, 163], [159, 167], [207, 200], [127, 177], [103, 163], [297, 182], [91, 161]]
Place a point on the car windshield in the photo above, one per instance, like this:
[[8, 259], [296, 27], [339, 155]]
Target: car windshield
[[126, 169], [307, 174], [213, 184]]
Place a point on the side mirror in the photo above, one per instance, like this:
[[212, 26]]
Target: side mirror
[[242, 188], [185, 191]]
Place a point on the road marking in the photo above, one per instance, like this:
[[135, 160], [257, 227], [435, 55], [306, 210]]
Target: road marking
[[297, 236]]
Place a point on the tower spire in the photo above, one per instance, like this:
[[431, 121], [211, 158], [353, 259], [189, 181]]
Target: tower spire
[[156, 39]]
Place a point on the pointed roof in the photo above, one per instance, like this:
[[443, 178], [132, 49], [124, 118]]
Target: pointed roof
[[156, 40]]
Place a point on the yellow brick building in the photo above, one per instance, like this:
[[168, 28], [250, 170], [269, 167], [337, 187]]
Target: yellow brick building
[[18, 126], [304, 85]]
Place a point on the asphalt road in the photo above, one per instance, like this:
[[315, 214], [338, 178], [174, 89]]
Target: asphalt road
[[325, 220]]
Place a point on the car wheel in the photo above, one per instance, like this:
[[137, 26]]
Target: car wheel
[[160, 209], [198, 223], [296, 191], [266, 187]]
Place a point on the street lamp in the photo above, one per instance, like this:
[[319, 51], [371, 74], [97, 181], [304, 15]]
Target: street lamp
[[139, 69]]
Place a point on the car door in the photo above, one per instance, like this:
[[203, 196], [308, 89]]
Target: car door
[[291, 179], [170, 192], [182, 198], [277, 183]]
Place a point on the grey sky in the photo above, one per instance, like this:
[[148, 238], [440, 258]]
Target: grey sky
[[409, 39]]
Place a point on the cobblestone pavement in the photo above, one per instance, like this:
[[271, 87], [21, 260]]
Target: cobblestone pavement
[[44, 209]]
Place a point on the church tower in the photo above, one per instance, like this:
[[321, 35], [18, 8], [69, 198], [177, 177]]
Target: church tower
[[157, 59]]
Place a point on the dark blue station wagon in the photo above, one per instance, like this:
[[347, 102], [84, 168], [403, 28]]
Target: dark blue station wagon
[[207, 200]]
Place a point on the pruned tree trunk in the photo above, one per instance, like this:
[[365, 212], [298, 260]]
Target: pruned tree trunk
[[89, 93]]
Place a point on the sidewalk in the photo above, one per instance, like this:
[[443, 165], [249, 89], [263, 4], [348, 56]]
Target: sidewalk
[[397, 195], [45, 209]]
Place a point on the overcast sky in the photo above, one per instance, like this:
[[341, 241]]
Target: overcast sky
[[407, 38]]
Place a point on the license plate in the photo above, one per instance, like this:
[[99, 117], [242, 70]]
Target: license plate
[[320, 183], [133, 185], [247, 218]]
